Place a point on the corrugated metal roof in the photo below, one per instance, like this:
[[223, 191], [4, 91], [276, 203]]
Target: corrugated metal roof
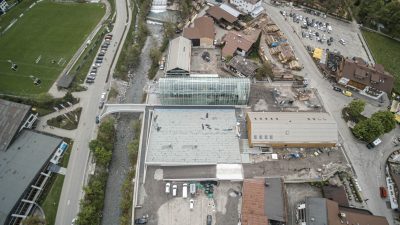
[[292, 127], [179, 54], [275, 207], [230, 10], [11, 116]]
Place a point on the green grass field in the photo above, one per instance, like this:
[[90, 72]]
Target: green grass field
[[386, 52], [52, 31]]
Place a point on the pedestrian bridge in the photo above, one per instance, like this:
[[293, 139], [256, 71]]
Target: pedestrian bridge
[[118, 108]]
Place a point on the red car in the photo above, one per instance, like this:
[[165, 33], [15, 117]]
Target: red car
[[383, 192]]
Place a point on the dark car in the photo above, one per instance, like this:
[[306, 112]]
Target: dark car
[[209, 219], [97, 119], [141, 221], [338, 89]]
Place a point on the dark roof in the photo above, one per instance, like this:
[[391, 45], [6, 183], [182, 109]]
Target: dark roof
[[189, 172], [217, 13], [321, 211], [337, 194], [275, 200], [66, 80], [316, 211], [12, 115], [358, 71], [253, 202], [244, 66], [203, 28], [20, 164]]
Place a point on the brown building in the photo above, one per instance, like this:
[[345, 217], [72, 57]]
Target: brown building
[[237, 43], [357, 73], [242, 66], [264, 202], [202, 33], [318, 211], [291, 129], [221, 16]]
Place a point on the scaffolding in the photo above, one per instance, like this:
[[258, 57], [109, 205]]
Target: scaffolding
[[204, 91]]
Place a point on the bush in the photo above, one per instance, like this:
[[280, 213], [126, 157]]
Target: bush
[[368, 130]]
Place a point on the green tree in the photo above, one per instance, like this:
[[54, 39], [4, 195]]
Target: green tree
[[155, 55], [102, 155], [368, 129], [169, 30], [264, 71], [387, 120], [356, 107], [33, 220]]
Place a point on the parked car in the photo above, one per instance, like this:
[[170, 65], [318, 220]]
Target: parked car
[[174, 189], [167, 188], [383, 192], [97, 119], [191, 203], [375, 143], [209, 219], [347, 93], [141, 221], [185, 190], [338, 89]]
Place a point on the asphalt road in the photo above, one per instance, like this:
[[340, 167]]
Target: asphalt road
[[79, 163], [368, 164]]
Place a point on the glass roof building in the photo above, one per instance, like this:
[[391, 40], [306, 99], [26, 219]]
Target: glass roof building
[[204, 91]]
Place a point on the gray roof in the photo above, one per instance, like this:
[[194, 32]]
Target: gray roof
[[11, 116], [275, 208], [20, 164], [189, 172], [66, 80], [188, 137], [292, 127], [230, 9], [316, 211], [245, 66], [179, 54]]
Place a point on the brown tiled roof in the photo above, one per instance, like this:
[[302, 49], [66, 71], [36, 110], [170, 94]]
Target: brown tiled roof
[[203, 28], [351, 217], [217, 13], [253, 203], [234, 40], [375, 77]]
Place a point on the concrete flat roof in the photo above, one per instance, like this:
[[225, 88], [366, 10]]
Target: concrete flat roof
[[20, 164], [11, 116], [292, 127], [193, 137]]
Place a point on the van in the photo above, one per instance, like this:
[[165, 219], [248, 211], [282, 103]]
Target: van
[[185, 190], [192, 188], [167, 188], [174, 190]]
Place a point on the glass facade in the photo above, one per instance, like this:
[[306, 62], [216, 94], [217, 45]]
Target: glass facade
[[204, 91]]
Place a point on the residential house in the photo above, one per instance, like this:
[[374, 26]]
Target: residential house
[[240, 44], [202, 33], [251, 7]]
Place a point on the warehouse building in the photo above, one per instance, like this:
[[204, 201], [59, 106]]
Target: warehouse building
[[291, 129], [204, 91], [179, 53], [202, 33]]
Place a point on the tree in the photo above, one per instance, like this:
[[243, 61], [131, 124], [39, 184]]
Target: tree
[[33, 220], [102, 155], [169, 30], [155, 55], [368, 130], [264, 71], [356, 107], [387, 120]]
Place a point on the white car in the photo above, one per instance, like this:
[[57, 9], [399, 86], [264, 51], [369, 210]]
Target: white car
[[191, 203], [167, 188], [174, 189]]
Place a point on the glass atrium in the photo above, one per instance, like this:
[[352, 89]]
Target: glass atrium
[[204, 91]]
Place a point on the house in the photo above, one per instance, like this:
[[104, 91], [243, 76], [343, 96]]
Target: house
[[222, 17], [291, 129], [264, 201], [324, 211], [251, 7], [242, 66], [179, 52], [360, 75], [202, 33], [3, 5], [240, 44]]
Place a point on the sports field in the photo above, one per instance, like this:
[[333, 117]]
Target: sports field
[[42, 42]]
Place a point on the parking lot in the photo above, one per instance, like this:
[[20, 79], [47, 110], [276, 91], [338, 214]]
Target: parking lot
[[166, 209], [316, 31]]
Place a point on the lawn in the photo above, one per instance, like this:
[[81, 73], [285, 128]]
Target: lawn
[[50, 202], [386, 52], [42, 42]]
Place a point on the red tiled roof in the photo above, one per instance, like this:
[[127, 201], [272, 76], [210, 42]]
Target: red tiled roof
[[234, 40], [253, 203]]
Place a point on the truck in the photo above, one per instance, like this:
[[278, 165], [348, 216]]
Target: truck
[[383, 192]]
